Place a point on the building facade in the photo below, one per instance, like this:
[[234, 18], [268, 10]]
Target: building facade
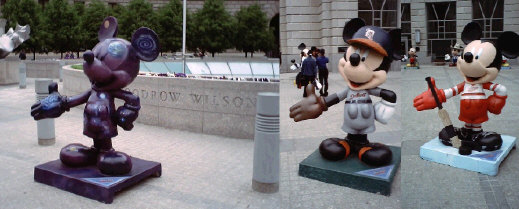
[[435, 25], [320, 23]]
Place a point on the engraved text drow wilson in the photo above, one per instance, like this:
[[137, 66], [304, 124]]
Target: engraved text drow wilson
[[197, 99]]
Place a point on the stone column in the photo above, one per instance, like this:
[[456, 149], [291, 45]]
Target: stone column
[[418, 22], [2, 25], [265, 176], [46, 130], [22, 71], [463, 17]]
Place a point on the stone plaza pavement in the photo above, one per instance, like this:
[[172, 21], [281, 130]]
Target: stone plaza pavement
[[198, 171], [300, 139], [430, 185]]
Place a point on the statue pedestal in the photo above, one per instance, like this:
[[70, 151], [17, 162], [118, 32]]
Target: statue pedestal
[[483, 162], [351, 172], [411, 68], [90, 182]]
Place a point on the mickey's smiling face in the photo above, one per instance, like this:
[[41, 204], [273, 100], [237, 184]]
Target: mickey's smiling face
[[371, 51], [358, 66], [114, 62], [475, 63], [481, 61]]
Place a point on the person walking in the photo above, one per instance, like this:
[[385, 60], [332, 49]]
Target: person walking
[[309, 70], [323, 72]]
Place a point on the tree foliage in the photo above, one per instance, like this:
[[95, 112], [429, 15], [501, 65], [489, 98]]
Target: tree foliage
[[213, 27], [252, 31], [59, 22], [138, 13], [62, 26], [169, 26], [90, 22]]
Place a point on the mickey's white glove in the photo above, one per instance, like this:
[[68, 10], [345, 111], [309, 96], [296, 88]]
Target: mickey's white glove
[[384, 110]]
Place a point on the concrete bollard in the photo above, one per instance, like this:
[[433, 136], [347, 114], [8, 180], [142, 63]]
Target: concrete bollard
[[46, 130], [265, 176], [22, 78]]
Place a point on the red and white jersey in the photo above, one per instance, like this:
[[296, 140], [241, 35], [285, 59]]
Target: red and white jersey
[[474, 91]]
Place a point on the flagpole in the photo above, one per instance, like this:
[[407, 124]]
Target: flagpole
[[184, 38]]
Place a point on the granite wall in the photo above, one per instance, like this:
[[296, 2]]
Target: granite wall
[[215, 107]]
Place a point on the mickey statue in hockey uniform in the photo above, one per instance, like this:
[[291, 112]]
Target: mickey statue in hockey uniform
[[364, 67], [479, 66], [110, 66]]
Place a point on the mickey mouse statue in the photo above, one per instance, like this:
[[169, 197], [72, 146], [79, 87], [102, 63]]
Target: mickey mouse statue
[[112, 65], [479, 66], [363, 67], [456, 50], [413, 58]]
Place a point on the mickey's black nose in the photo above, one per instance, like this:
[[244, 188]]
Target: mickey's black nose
[[468, 57], [354, 59], [88, 56]]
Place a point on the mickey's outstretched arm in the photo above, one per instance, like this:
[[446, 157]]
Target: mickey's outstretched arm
[[54, 105], [313, 106]]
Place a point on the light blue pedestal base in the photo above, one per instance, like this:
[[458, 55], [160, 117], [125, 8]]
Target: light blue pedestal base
[[483, 162]]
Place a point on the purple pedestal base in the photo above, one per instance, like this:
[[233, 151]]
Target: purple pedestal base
[[89, 182]]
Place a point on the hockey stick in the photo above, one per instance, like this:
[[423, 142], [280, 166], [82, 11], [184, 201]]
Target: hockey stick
[[444, 116]]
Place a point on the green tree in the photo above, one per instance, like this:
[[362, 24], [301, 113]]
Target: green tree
[[214, 31], [78, 37], [117, 11], [169, 26], [59, 20], [252, 31], [26, 12], [90, 22], [138, 13]]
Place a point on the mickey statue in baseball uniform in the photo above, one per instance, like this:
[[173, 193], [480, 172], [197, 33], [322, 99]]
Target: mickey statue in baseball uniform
[[479, 66], [364, 67]]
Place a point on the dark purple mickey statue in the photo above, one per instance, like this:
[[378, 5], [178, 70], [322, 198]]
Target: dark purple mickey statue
[[112, 65]]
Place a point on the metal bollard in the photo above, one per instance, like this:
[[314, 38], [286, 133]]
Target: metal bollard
[[46, 130], [265, 176], [22, 72]]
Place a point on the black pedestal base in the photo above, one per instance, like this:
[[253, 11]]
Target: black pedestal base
[[351, 172], [90, 182]]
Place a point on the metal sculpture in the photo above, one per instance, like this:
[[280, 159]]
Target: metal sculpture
[[12, 39]]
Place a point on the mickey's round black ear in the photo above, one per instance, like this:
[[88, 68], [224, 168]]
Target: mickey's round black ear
[[508, 43], [146, 42], [417, 49], [108, 28], [351, 27], [471, 32], [395, 43], [302, 46]]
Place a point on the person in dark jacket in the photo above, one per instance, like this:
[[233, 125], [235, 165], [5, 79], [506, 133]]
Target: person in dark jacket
[[309, 70], [22, 55], [323, 72]]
